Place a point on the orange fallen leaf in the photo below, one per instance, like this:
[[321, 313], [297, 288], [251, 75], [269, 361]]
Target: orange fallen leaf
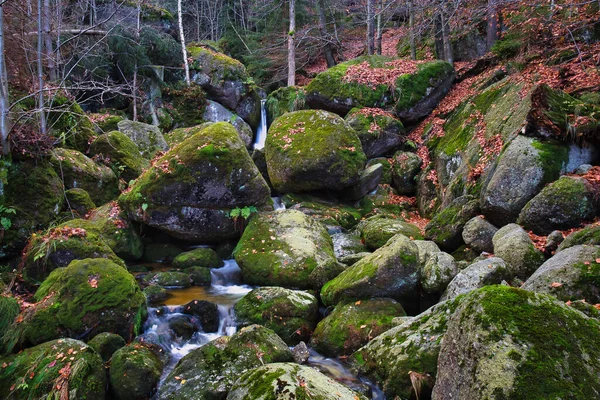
[[357, 303], [555, 284]]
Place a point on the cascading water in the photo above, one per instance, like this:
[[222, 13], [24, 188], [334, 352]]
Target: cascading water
[[261, 132]]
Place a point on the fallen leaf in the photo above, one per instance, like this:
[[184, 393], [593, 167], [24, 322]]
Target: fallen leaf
[[357, 303], [555, 284]]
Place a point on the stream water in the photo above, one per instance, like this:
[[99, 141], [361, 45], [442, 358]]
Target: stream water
[[261, 132], [225, 290]]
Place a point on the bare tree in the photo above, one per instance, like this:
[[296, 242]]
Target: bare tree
[[370, 27], [183, 49], [40, 70], [492, 23], [327, 50], [4, 100], [291, 45]]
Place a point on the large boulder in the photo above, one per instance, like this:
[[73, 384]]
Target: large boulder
[[391, 271], [513, 245], [437, 272], [377, 230], [79, 171], [147, 138], [117, 149], [352, 325], [201, 257], [86, 298], [446, 228], [292, 314], [311, 150], [588, 235], [211, 370], [106, 344], [64, 368], [287, 249], [191, 190], [346, 244], [478, 233], [379, 132], [563, 204], [571, 274], [405, 167], [215, 112], [407, 351], [491, 271], [507, 343], [78, 202], [279, 381]]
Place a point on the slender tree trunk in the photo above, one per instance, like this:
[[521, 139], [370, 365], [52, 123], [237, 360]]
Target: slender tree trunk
[[327, 52], [48, 41], [40, 69], [291, 45], [447, 43], [411, 27], [438, 28], [370, 27], [379, 39], [4, 101], [492, 23], [135, 67], [183, 49]]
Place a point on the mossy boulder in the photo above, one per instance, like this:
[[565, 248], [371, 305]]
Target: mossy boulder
[[79, 201], [135, 370], [199, 276], [311, 150], [491, 271], [292, 314], [571, 274], [446, 227], [289, 380], [69, 123], [287, 249], [105, 123], [201, 257], [155, 294], [588, 235], [206, 312], [478, 233], [79, 171], [513, 245], [119, 151], [377, 230], [57, 247], [437, 272], [563, 204], [211, 370], [367, 181], [379, 132], [169, 279], [386, 163], [177, 136], [191, 190], [284, 100], [345, 244], [507, 343], [61, 367], [215, 112], [106, 344], [352, 325], [148, 138], [405, 167], [86, 298], [391, 271], [412, 346], [523, 169], [35, 192], [329, 212]]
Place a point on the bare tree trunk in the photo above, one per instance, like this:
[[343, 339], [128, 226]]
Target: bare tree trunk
[[492, 24], [48, 40], [291, 45], [379, 39], [183, 49], [135, 67], [370, 27], [327, 52], [40, 70], [4, 128], [412, 33], [446, 38], [438, 28]]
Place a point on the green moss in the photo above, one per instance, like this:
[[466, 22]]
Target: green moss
[[189, 104], [123, 153], [179, 135], [411, 88], [283, 100], [109, 123], [9, 309], [589, 235], [201, 257], [218, 66], [79, 200], [509, 46], [135, 371], [69, 123], [553, 158]]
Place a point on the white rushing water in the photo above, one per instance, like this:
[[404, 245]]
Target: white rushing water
[[261, 132]]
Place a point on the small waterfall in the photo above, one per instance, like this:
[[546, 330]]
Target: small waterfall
[[261, 132], [278, 204]]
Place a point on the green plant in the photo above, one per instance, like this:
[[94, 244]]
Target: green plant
[[5, 222], [244, 212]]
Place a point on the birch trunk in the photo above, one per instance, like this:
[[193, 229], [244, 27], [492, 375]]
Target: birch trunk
[[4, 128], [40, 70], [291, 45], [370, 27], [183, 49]]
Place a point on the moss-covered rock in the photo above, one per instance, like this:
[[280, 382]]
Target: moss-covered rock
[[311, 150], [292, 314], [329, 212], [491, 271], [284, 100], [69, 123], [105, 123], [48, 371], [345, 244], [289, 380], [513, 245], [211, 370], [507, 343], [437, 272], [58, 246], [386, 163], [169, 279], [148, 138], [206, 312], [201, 257], [120, 152], [215, 112], [177, 136], [135, 370], [563, 204], [379, 132], [287, 249], [478, 233], [86, 298], [199, 276], [571, 274], [446, 228], [413, 346], [79, 171], [155, 295], [367, 181], [391, 271], [588, 235], [377, 230], [79, 200], [352, 325], [106, 344], [191, 190], [405, 167]]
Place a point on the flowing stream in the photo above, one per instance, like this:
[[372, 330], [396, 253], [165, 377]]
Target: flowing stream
[[261, 132]]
